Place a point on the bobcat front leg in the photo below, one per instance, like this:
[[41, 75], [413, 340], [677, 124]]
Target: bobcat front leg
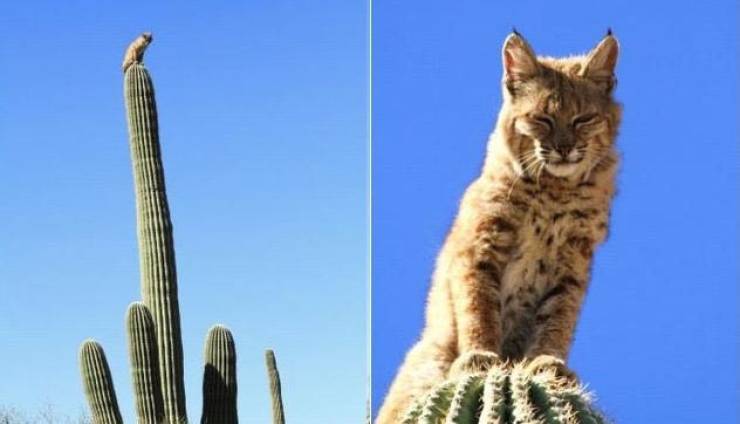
[[558, 308], [475, 281]]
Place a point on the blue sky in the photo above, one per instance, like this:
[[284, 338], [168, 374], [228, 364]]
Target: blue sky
[[657, 336], [263, 116]]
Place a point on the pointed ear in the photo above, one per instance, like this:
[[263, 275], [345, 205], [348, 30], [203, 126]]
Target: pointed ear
[[601, 62], [519, 61]]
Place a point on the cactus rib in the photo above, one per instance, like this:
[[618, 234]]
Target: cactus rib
[[465, 405]]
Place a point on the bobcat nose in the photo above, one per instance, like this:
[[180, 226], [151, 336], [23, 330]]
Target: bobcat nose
[[564, 147]]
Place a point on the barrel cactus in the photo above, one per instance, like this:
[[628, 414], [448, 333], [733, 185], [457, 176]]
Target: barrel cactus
[[523, 392], [153, 326]]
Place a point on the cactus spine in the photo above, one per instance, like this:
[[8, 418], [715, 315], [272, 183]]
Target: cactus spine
[[219, 378], [507, 393], [156, 247], [98, 384], [142, 350], [278, 415]]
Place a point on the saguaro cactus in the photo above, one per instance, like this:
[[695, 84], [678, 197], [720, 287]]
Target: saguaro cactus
[[153, 326], [278, 415], [507, 393], [98, 384], [156, 247], [219, 378]]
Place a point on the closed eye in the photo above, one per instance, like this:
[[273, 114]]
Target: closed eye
[[544, 120], [586, 119]]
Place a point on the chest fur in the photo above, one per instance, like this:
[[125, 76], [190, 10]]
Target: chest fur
[[555, 238]]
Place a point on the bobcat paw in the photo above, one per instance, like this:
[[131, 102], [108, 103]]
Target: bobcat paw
[[474, 361], [543, 362]]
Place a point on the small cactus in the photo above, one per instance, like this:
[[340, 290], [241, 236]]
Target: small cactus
[[278, 414], [98, 383], [142, 351], [506, 393], [219, 378]]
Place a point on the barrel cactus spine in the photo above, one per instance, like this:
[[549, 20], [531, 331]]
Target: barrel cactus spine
[[219, 378]]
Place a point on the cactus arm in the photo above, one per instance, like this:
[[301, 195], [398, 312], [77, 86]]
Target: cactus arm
[[142, 349], [156, 246], [278, 413], [219, 378], [98, 384]]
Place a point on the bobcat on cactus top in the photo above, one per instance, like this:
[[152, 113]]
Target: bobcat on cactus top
[[135, 50], [513, 271]]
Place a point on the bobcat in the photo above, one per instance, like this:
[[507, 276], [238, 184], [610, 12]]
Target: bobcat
[[514, 269], [135, 50]]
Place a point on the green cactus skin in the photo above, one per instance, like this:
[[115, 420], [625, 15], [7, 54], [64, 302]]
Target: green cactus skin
[[156, 246], [466, 402], [142, 350], [219, 378], [98, 383], [496, 396], [437, 404], [273, 376], [507, 394]]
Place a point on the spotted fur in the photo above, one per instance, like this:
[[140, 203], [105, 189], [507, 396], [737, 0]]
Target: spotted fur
[[514, 269]]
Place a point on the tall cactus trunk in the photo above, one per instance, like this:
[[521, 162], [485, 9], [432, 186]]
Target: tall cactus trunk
[[278, 415], [219, 378], [156, 247], [142, 352], [98, 384]]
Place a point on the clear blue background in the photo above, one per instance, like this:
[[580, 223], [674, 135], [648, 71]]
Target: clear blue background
[[263, 117], [657, 337]]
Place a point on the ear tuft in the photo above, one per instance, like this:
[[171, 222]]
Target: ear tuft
[[601, 62], [519, 60]]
